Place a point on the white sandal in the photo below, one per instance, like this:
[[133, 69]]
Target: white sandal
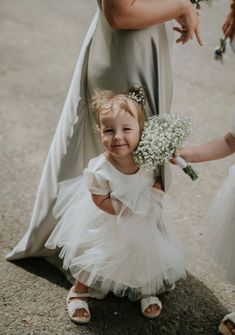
[[146, 302], [74, 304], [226, 324]]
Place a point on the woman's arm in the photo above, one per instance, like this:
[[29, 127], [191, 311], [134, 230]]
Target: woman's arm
[[215, 149], [104, 202], [138, 14]]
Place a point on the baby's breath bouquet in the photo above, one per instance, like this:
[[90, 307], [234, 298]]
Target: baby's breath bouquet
[[161, 136]]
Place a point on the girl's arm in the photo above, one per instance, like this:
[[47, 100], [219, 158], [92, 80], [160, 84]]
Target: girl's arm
[[215, 149], [138, 14], [104, 202]]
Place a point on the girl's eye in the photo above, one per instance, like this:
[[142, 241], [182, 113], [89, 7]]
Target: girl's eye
[[108, 130], [126, 129]]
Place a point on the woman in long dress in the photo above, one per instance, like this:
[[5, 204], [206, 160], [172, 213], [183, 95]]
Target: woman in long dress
[[127, 42]]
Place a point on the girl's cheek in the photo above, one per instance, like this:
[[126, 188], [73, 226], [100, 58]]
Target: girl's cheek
[[105, 140]]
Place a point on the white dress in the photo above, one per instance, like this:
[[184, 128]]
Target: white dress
[[222, 226], [128, 253]]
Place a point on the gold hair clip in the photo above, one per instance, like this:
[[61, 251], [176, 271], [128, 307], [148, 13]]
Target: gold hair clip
[[137, 94]]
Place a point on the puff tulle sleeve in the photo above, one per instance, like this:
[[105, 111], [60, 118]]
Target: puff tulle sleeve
[[96, 183]]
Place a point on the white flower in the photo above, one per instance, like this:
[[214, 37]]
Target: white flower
[[161, 136]]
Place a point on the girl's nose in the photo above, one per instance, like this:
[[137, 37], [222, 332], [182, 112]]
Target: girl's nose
[[117, 137]]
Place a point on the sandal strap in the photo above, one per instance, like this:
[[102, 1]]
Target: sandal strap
[[230, 316], [73, 306], [152, 300], [73, 294]]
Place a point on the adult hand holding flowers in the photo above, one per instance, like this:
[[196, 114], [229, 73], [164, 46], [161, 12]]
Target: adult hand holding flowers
[[181, 159]]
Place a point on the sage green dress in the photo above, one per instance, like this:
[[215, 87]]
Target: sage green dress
[[109, 59]]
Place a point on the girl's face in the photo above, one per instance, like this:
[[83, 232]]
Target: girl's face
[[120, 132]]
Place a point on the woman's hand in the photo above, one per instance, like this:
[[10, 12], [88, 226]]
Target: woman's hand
[[229, 25], [182, 152], [189, 24]]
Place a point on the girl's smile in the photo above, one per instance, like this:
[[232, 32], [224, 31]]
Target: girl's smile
[[120, 133]]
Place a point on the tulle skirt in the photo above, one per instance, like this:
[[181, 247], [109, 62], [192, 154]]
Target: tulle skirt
[[129, 254], [222, 226]]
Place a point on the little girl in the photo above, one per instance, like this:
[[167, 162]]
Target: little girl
[[222, 211], [111, 233]]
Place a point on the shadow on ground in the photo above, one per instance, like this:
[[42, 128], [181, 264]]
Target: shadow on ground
[[190, 309]]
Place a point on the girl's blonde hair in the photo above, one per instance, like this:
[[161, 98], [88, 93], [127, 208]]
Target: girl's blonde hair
[[102, 101]]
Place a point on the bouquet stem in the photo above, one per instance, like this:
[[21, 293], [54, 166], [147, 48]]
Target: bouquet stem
[[186, 168]]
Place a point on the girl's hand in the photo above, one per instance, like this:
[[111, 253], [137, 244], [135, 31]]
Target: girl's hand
[[158, 184], [189, 25]]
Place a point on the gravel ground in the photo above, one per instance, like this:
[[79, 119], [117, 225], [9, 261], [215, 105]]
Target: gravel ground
[[39, 44]]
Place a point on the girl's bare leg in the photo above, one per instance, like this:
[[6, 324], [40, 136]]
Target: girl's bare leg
[[80, 288]]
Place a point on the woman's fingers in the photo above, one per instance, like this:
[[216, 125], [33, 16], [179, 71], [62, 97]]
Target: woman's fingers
[[189, 25], [227, 28], [186, 35], [183, 33], [198, 36], [179, 29]]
